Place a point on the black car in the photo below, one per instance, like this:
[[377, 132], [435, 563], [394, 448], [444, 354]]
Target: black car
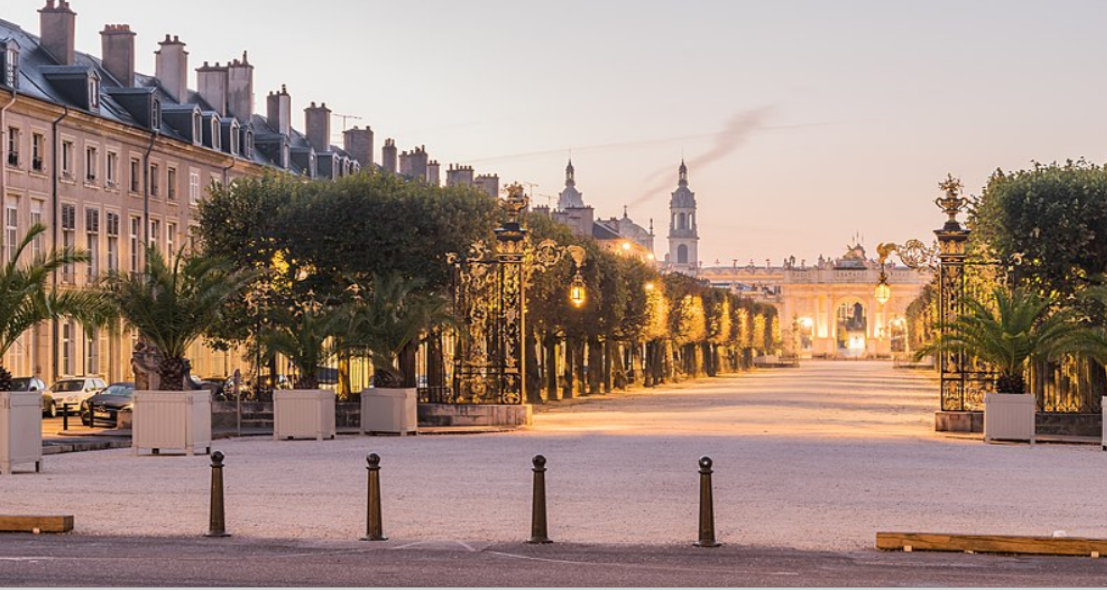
[[106, 405]]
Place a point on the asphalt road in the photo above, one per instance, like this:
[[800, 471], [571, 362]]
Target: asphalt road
[[74, 560]]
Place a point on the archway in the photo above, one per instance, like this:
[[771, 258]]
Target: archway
[[852, 328]]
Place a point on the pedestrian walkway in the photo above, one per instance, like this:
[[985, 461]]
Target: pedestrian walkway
[[820, 457]]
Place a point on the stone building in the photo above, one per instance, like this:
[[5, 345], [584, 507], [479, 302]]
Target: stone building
[[684, 237], [112, 160]]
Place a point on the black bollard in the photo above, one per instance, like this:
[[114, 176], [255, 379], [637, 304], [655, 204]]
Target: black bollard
[[707, 507], [217, 527], [538, 532], [373, 529]]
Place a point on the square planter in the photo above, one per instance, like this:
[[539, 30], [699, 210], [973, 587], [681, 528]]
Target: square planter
[[20, 429], [303, 413], [171, 420], [393, 411], [1009, 416]]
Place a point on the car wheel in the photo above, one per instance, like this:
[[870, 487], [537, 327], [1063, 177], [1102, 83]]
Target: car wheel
[[53, 411]]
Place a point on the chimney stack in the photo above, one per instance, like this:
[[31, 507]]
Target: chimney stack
[[59, 31], [118, 53], [279, 111], [171, 67], [388, 155], [317, 122], [211, 82], [433, 175], [359, 144], [240, 89]]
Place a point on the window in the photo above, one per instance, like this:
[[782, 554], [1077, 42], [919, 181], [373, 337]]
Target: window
[[11, 67], [113, 241], [36, 219], [13, 146], [234, 139], [67, 348], [136, 175], [69, 228], [38, 149], [136, 243], [248, 149], [11, 231], [94, 92], [216, 137], [155, 232], [92, 231], [155, 115], [92, 163], [194, 187], [155, 176], [67, 160], [197, 128], [109, 172], [92, 352], [171, 239], [171, 183], [682, 254]]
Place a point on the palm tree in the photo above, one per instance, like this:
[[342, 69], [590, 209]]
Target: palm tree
[[26, 299], [1021, 327], [387, 315], [171, 306], [302, 336]]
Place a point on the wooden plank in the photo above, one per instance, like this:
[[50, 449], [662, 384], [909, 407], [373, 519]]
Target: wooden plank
[[991, 544], [28, 524]]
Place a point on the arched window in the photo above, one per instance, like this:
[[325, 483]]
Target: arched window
[[682, 221], [682, 253]]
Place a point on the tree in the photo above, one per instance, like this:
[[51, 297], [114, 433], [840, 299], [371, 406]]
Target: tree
[[174, 304], [26, 298], [302, 335], [1017, 327]]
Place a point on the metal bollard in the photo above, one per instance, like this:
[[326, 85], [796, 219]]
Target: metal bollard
[[217, 526], [65, 416], [707, 507], [373, 528], [538, 532]]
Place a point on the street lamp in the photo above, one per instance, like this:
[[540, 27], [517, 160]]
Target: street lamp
[[883, 289], [577, 293]]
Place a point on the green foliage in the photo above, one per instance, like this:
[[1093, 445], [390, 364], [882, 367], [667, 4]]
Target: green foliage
[[173, 304], [1006, 331], [303, 336], [27, 299]]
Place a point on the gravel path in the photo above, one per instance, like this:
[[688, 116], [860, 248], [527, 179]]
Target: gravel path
[[819, 457]]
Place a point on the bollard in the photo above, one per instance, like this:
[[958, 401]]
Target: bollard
[[373, 529], [217, 527], [707, 507], [538, 533], [65, 416]]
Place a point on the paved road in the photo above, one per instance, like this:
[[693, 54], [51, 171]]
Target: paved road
[[132, 561]]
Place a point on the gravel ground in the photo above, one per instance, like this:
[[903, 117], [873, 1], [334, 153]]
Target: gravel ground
[[819, 458]]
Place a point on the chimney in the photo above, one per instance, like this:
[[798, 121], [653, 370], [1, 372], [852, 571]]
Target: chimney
[[171, 67], [211, 81], [279, 111], [433, 176], [317, 121], [118, 53], [388, 155], [58, 31], [359, 144], [240, 89]]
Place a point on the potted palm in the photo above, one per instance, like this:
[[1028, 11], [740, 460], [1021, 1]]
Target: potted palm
[[26, 300], [384, 317], [171, 304], [304, 337], [1016, 328]]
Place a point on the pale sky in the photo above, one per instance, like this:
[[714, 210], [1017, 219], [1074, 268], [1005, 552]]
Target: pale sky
[[843, 116]]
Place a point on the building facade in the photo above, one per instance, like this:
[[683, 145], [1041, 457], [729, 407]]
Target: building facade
[[684, 237]]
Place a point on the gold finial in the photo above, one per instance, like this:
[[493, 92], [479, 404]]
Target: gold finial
[[952, 203]]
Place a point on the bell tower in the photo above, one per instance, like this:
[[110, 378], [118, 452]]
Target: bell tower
[[683, 236]]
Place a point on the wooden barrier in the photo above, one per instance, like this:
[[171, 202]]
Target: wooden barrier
[[36, 524], [991, 544]]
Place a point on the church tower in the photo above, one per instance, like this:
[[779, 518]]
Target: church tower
[[683, 236], [570, 198]]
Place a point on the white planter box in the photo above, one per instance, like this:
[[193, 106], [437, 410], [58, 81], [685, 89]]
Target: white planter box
[[1009, 417], [303, 413], [390, 410], [171, 420], [20, 429]]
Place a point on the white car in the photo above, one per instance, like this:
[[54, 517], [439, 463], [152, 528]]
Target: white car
[[71, 391]]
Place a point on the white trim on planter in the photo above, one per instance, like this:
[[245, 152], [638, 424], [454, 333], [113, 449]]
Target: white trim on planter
[[171, 420], [390, 410], [20, 429], [303, 413], [1009, 416]]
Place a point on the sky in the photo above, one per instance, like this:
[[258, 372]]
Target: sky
[[803, 123]]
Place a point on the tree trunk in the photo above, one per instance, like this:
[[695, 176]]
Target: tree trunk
[[568, 381], [408, 369], [530, 366], [550, 342], [595, 366], [172, 371]]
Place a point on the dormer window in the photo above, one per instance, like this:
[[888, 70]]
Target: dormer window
[[197, 128], [93, 92], [248, 148], [11, 65], [311, 166], [216, 137], [155, 114], [234, 138]]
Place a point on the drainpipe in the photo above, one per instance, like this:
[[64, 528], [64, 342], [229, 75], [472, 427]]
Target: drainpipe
[[146, 194], [55, 206]]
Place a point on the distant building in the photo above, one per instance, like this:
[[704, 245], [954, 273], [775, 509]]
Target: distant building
[[684, 237]]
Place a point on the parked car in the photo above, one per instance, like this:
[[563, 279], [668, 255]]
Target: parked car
[[70, 391], [106, 405], [28, 384]]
